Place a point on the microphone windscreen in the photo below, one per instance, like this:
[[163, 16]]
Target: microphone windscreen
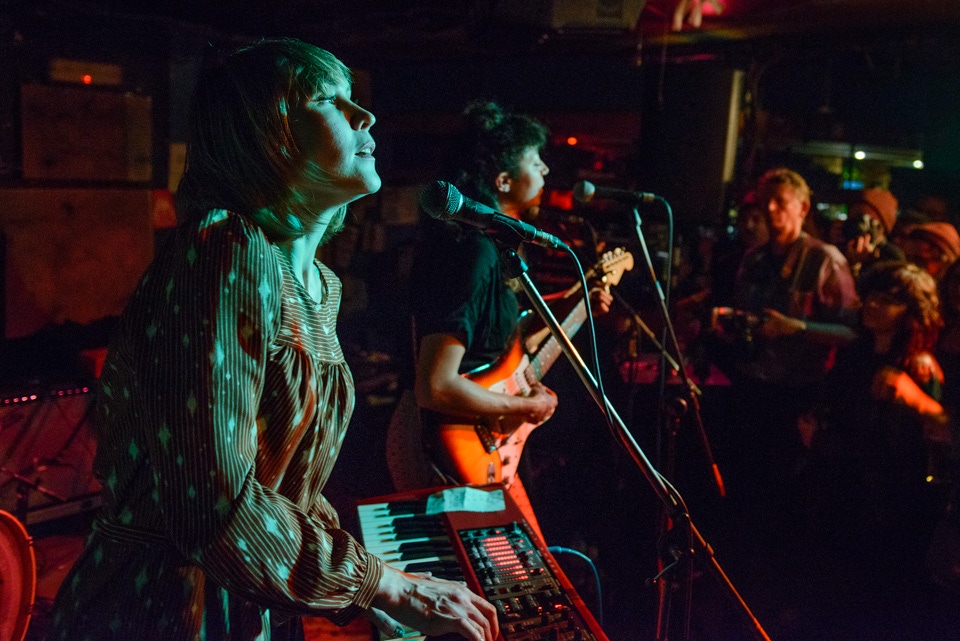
[[441, 200], [583, 191]]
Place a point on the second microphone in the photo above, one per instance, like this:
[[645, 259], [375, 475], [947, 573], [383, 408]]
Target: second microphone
[[443, 201]]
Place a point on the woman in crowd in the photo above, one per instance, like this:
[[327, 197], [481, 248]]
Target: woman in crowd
[[225, 396], [882, 422]]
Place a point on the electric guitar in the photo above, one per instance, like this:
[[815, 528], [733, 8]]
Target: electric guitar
[[488, 450]]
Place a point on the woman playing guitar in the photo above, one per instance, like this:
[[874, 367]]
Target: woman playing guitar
[[465, 313]]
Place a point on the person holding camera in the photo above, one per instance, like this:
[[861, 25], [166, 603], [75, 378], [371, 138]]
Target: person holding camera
[[801, 288], [800, 294], [864, 233]]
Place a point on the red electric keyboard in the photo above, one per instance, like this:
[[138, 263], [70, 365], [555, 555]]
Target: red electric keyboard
[[495, 552]]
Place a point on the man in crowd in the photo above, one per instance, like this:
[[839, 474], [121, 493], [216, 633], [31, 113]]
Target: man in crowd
[[796, 303]]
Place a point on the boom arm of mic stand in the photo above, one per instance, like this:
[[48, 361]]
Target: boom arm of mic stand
[[653, 339], [714, 468], [514, 267]]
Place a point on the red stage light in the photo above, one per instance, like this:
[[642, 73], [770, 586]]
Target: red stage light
[[560, 199]]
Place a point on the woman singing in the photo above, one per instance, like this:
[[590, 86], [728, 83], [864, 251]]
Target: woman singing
[[225, 396]]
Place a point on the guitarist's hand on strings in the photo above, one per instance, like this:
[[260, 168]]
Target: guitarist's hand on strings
[[600, 301], [441, 388], [543, 403]]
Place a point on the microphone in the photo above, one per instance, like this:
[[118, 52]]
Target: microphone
[[585, 191], [443, 201]]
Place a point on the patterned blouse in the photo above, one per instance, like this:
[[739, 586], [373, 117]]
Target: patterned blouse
[[221, 410]]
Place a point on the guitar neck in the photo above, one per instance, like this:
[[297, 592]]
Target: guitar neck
[[550, 349]]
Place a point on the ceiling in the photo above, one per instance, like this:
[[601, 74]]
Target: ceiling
[[444, 28], [879, 71], [757, 18]]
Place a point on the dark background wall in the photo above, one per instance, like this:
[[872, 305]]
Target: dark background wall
[[795, 82], [693, 116]]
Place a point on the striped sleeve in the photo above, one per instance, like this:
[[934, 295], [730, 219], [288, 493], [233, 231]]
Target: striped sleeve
[[202, 378]]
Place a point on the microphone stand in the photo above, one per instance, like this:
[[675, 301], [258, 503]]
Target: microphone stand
[[688, 385], [676, 412], [638, 321], [515, 267]]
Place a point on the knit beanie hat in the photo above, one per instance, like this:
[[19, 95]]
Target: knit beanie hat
[[880, 204], [942, 235]]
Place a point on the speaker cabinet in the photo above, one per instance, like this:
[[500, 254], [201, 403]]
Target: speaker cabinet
[[688, 135]]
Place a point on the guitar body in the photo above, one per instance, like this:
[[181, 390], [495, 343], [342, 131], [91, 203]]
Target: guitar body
[[488, 451]]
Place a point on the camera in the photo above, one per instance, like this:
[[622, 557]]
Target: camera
[[862, 225], [736, 323]]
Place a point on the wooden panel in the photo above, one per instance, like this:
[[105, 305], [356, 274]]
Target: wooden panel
[[84, 134], [73, 255]]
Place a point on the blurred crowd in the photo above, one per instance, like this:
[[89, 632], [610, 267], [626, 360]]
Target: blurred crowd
[[841, 340]]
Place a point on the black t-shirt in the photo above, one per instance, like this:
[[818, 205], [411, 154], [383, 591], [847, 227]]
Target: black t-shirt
[[870, 462], [458, 288]]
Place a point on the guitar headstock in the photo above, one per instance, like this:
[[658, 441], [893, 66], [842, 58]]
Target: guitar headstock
[[611, 266]]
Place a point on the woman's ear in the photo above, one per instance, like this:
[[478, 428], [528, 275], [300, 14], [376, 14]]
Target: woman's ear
[[502, 182]]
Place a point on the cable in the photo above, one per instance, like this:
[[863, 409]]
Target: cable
[[592, 331], [596, 576]]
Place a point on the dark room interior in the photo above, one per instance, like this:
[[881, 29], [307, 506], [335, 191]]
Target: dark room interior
[[688, 100]]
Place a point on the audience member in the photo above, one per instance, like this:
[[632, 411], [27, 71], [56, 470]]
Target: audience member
[[881, 427], [934, 246], [750, 231], [799, 288], [933, 208], [948, 345], [948, 354], [796, 303], [870, 219]]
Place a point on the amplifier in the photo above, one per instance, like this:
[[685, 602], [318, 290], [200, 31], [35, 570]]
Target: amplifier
[[46, 453]]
